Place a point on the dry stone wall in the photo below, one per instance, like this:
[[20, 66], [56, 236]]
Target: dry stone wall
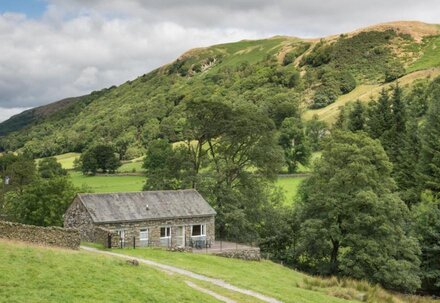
[[243, 254], [52, 236]]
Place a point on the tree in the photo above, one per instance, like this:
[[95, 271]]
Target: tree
[[393, 138], [122, 144], [379, 115], [341, 121], [50, 168], [430, 138], [21, 172], [43, 202], [356, 117], [406, 170], [352, 221], [88, 162], [315, 131], [166, 168], [100, 157], [293, 141], [427, 230]]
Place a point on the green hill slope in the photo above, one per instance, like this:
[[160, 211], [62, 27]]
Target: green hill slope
[[273, 75], [36, 274], [39, 274]]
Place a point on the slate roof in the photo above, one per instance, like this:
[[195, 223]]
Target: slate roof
[[126, 207]]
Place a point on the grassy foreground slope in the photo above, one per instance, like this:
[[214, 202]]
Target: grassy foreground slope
[[36, 274], [275, 280]]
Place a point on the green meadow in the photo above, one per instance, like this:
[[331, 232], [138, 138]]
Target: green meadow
[[37, 274]]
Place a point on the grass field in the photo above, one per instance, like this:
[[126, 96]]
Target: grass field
[[107, 184], [274, 280], [265, 277], [430, 57], [131, 167], [290, 186], [66, 160], [35, 274], [117, 183]]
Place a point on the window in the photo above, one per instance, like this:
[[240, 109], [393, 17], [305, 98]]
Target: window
[[165, 232], [198, 230], [143, 234]]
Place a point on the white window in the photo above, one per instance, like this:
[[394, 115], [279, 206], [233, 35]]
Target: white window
[[198, 230], [143, 234], [165, 232]]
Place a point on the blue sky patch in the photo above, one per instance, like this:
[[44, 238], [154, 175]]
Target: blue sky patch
[[31, 8]]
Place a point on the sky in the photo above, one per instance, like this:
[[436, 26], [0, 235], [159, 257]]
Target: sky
[[53, 49]]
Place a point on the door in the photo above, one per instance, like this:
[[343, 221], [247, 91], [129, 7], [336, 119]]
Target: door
[[180, 236], [121, 234], [143, 237]]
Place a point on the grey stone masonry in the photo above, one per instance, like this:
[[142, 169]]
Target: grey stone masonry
[[177, 231], [52, 236], [132, 231], [78, 217]]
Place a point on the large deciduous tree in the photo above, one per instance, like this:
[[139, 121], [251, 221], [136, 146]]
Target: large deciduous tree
[[427, 230], [100, 157], [294, 143], [352, 221]]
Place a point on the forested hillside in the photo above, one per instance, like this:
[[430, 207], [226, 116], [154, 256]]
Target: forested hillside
[[276, 76]]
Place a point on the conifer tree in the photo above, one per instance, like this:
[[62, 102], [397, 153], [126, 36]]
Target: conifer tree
[[393, 138], [379, 116], [356, 118], [430, 138]]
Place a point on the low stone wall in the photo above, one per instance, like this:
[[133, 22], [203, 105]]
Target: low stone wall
[[52, 236], [243, 254]]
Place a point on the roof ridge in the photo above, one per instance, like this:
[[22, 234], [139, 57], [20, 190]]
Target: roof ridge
[[142, 191]]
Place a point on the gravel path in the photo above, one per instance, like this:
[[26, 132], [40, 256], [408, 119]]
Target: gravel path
[[188, 273], [209, 292]]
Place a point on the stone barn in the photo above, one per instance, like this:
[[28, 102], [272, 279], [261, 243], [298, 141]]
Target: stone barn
[[172, 218]]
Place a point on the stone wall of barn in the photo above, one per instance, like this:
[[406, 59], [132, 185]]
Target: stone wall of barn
[[77, 217], [132, 231], [52, 236]]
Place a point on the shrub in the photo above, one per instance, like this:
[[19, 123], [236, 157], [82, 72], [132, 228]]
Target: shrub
[[394, 72]]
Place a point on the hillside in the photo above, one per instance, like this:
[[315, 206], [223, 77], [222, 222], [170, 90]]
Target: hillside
[[272, 75], [39, 274]]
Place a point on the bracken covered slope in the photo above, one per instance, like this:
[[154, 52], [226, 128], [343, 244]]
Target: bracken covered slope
[[271, 75]]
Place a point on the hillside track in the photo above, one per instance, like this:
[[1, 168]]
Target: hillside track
[[188, 274]]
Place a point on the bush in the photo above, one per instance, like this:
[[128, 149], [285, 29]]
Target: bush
[[324, 96], [394, 72], [346, 82]]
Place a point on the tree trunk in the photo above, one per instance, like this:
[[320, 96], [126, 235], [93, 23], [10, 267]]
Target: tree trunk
[[334, 258]]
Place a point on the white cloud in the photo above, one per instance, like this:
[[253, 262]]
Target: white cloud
[[82, 45], [45, 60]]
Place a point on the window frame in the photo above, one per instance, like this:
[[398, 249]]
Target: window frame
[[167, 228], [202, 230], [142, 231]]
